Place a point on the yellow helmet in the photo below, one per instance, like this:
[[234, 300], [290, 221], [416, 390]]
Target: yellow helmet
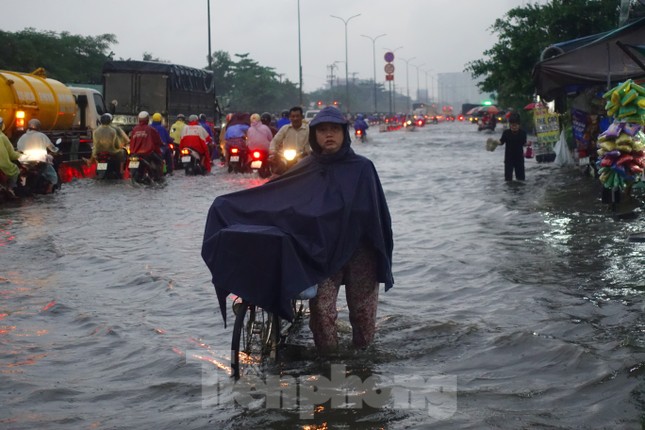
[[156, 117]]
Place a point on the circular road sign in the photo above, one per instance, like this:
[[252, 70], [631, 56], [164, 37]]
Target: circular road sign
[[389, 68], [389, 56]]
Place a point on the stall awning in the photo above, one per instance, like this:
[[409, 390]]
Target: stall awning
[[592, 60]]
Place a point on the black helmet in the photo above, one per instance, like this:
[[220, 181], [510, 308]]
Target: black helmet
[[265, 117], [285, 113], [106, 119], [202, 117]]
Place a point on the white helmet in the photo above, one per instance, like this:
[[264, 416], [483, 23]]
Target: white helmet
[[144, 115]]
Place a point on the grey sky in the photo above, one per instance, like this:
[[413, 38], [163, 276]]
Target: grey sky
[[442, 35]]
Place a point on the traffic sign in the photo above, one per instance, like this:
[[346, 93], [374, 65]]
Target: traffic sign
[[389, 77], [389, 56], [389, 68]]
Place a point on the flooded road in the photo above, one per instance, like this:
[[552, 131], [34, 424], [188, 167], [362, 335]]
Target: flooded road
[[514, 305]]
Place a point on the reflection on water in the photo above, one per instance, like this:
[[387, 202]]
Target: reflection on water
[[528, 295]]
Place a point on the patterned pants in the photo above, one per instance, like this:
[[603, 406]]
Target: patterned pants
[[361, 290]]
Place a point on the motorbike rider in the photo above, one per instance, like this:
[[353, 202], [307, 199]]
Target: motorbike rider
[[361, 124], [145, 141], [266, 120], [236, 130], [283, 120], [210, 128], [294, 135], [7, 157], [34, 140], [106, 139], [165, 138], [195, 137], [259, 136], [177, 127]]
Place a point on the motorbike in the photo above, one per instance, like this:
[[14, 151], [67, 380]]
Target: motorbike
[[486, 125], [236, 158], [360, 135], [259, 163], [143, 169], [32, 179], [176, 154], [285, 161], [191, 161], [108, 166]]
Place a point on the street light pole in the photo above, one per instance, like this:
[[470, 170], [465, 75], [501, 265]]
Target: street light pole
[[407, 78], [373, 39], [299, 55], [345, 21], [418, 90]]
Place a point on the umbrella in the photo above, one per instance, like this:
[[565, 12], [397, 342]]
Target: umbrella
[[473, 111], [533, 105], [488, 109]]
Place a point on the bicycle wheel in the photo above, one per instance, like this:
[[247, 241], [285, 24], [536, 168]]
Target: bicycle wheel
[[251, 338]]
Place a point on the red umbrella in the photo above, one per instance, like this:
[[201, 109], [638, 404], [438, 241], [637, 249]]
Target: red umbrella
[[488, 109], [473, 110], [533, 105]]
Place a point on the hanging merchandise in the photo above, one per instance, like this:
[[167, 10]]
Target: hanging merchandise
[[621, 146]]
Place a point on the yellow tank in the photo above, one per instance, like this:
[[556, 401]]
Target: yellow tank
[[33, 95]]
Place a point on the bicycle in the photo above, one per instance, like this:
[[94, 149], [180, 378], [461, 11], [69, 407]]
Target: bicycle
[[257, 334]]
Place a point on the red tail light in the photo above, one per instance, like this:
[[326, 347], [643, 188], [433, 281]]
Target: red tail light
[[257, 154], [185, 151], [234, 150], [171, 146], [359, 132], [420, 122]]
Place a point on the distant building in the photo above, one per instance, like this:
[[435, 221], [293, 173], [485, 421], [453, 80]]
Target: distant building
[[456, 89]]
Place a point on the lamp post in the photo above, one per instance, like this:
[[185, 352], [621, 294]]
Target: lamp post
[[299, 56], [373, 39], [392, 84], [417, 67], [345, 21], [407, 78]]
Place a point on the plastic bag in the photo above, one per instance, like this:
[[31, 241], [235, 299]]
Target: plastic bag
[[491, 144], [563, 156]]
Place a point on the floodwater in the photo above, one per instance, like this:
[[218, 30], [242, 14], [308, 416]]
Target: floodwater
[[515, 306]]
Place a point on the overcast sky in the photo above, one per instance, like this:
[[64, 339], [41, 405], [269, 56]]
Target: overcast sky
[[441, 35]]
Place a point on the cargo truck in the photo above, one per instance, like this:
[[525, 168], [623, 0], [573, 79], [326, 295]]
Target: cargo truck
[[132, 86], [65, 112]]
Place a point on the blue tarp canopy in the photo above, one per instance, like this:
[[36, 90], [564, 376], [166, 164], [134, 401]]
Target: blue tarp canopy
[[592, 60]]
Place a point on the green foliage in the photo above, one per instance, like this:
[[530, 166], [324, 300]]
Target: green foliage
[[524, 32], [246, 86], [65, 57]]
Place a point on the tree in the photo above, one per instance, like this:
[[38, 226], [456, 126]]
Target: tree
[[65, 57], [522, 35]]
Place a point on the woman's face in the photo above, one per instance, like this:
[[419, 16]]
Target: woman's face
[[330, 137]]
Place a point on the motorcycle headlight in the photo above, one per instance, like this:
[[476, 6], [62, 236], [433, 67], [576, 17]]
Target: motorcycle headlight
[[289, 154], [38, 155]]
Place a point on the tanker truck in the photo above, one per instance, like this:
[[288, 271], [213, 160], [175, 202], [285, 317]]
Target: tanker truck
[[65, 112]]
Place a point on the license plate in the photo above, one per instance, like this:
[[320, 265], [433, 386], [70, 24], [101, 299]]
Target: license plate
[[185, 159], [101, 166], [256, 164], [134, 164], [235, 158]]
